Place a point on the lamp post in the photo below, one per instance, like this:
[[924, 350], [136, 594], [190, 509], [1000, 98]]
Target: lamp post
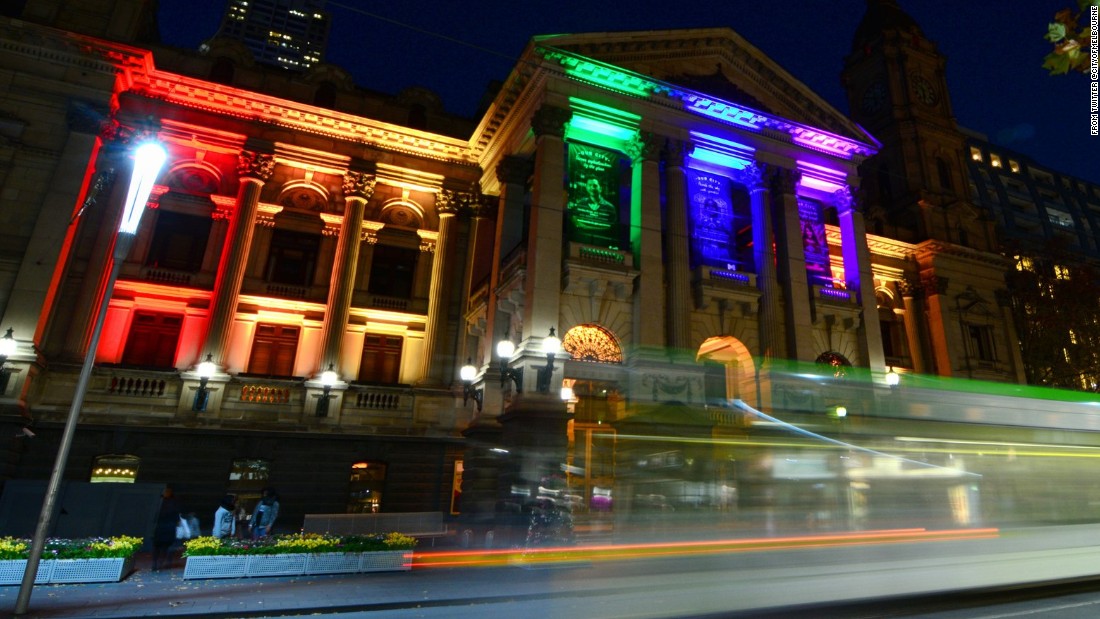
[[892, 377], [468, 373], [505, 350], [550, 345], [205, 370], [328, 379], [149, 158], [7, 349]]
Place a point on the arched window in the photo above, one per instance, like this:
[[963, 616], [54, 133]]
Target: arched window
[[114, 468], [892, 327], [592, 343]]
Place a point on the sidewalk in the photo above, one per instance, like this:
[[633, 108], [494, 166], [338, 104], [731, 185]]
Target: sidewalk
[[145, 593]]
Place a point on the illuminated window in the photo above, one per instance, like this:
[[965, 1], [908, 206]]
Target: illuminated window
[[115, 469], [1014, 166], [152, 340], [1061, 272], [975, 154], [1023, 263], [365, 487], [1072, 337], [273, 350], [592, 343], [381, 362], [994, 160], [247, 479], [179, 241]]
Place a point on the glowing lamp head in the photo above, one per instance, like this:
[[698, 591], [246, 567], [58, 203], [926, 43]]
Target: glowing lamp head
[[892, 378], [551, 345], [7, 344], [207, 368], [467, 373], [329, 376], [567, 393], [149, 158], [505, 349]]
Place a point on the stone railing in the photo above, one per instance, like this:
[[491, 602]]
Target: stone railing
[[379, 397]]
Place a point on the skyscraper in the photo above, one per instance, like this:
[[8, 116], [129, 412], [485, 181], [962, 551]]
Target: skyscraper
[[287, 33]]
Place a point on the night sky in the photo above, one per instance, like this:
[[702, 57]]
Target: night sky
[[994, 52]]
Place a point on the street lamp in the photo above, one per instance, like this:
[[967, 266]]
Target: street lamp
[[505, 350], [205, 370], [7, 349], [149, 158], [328, 379], [550, 345], [892, 377], [468, 373]]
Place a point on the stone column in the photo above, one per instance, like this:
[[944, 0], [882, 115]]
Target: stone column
[[792, 266], [678, 270], [542, 287], [752, 177], [859, 277], [645, 241], [447, 204], [254, 169], [358, 189], [935, 291], [484, 215], [911, 295]]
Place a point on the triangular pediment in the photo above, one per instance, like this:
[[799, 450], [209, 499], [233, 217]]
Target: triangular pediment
[[714, 61]]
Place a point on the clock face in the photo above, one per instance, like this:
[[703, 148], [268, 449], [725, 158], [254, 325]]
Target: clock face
[[874, 98], [926, 93]]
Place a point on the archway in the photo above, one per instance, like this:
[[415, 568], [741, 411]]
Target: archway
[[731, 372]]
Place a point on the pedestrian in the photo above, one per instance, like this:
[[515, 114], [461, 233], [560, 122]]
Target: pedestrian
[[263, 516], [164, 533], [225, 523], [240, 514], [194, 528], [269, 491]]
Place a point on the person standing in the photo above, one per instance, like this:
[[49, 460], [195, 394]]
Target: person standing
[[164, 533], [225, 523], [263, 516]]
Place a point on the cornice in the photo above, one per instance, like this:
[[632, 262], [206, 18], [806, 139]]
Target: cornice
[[877, 245], [935, 247]]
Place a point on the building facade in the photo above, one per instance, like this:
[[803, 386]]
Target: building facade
[[692, 225]]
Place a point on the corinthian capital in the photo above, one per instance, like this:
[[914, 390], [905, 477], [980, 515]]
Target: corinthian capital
[[751, 176], [785, 180], [450, 201], [550, 120], [359, 185], [844, 200], [646, 148], [255, 165], [676, 152]]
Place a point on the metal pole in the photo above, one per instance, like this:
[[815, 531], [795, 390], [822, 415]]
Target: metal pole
[[49, 504]]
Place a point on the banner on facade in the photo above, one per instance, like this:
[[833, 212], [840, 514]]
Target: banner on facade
[[593, 204]]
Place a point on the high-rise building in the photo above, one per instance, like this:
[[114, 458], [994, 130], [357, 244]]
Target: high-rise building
[[288, 33]]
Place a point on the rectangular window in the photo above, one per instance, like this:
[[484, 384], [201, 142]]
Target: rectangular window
[[152, 340], [179, 241], [391, 271], [247, 479], [292, 258], [274, 348], [975, 153], [365, 487], [381, 361], [981, 342]]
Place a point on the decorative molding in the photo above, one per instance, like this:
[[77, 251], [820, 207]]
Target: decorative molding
[[647, 147], [934, 284], [677, 152], [751, 176], [784, 181], [359, 185], [514, 170]]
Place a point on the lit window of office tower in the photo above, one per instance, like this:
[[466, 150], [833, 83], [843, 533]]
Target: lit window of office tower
[[287, 33]]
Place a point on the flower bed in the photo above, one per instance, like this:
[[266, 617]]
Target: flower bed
[[70, 561], [295, 555]]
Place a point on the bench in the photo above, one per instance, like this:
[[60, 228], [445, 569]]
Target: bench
[[426, 525]]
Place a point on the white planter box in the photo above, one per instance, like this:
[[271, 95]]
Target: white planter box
[[67, 570], [241, 566], [216, 567], [276, 565], [11, 572], [386, 561], [333, 563]]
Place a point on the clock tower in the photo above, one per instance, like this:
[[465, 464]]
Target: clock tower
[[916, 188]]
